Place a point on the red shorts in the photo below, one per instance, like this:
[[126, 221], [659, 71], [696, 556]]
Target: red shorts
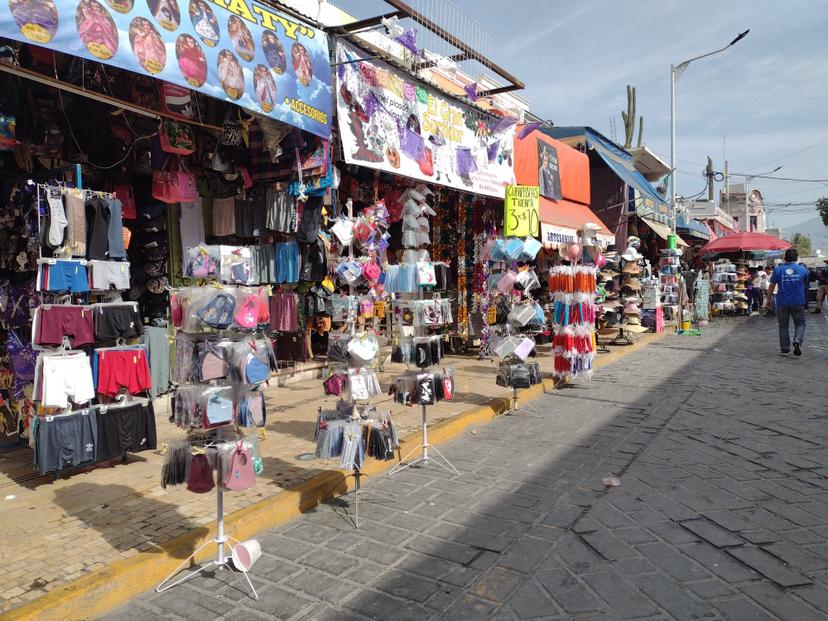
[[55, 322], [123, 369]]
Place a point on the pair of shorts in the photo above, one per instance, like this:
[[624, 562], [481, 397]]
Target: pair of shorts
[[66, 376], [66, 276], [283, 312], [264, 257], [287, 262], [66, 441], [125, 428], [123, 369], [407, 279], [118, 321], [109, 275], [56, 322]]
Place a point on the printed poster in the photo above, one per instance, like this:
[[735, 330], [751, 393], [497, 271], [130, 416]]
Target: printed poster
[[241, 51], [392, 123], [549, 176]]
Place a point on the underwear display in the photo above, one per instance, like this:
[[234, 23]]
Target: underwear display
[[106, 275], [63, 377], [114, 321], [54, 322], [119, 369]]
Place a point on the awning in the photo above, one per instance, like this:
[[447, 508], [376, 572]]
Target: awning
[[618, 159], [662, 230], [692, 227], [561, 220]]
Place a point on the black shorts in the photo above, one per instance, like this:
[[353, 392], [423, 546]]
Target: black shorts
[[125, 428], [117, 321]]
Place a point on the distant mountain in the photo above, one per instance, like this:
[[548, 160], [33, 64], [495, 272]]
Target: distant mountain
[[813, 228]]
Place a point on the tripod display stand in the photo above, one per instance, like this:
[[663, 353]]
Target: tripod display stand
[[441, 461], [223, 554]]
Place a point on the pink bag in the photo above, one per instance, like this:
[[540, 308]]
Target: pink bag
[[241, 475], [506, 282], [174, 186]]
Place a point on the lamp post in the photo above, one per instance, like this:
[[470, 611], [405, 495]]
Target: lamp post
[[675, 73]]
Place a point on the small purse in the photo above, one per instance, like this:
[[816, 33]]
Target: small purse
[[335, 384], [176, 138], [426, 277], [521, 314], [200, 479], [242, 474], [506, 282]]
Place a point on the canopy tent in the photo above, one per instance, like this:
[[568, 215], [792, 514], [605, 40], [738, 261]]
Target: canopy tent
[[692, 227], [662, 230], [744, 242]]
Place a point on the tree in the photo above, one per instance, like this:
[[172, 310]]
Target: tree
[[822, 208], [802, 243]]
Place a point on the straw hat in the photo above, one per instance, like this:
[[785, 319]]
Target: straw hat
[[631, 268], [632, 254], [632, 283], [632, 309], [636, 329]]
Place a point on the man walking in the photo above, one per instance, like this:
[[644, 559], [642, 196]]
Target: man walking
[[790, 282], [822, 292]]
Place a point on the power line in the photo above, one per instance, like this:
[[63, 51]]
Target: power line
[[782, 157]]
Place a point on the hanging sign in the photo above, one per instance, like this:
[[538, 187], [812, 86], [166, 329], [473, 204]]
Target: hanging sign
[[241, 51], [390, 122], [521, 217]]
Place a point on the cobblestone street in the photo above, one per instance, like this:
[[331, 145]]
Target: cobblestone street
[[722, 511]]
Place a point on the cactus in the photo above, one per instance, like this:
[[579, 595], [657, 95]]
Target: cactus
[[629, 120]]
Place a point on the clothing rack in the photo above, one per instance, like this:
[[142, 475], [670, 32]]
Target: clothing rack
[[439, 460], [222, 542]]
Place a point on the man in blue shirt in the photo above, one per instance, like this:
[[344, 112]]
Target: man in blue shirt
[[790, 281]]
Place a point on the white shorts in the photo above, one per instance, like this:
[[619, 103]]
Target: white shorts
[[109, 274], [64, 377]]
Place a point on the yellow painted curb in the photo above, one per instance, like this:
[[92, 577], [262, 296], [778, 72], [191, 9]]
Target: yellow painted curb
[[99, 592]]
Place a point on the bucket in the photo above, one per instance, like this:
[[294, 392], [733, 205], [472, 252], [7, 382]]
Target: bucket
[[245, 554], [685, 325], [672, 242]]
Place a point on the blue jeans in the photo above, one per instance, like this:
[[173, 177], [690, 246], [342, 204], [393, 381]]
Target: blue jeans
[[783, 315]]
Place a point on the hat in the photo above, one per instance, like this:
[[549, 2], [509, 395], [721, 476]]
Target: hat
[[632, 240], [632, 309], [608, 274], [631, 254], [611, 318], [632, 299], [612, 295], [742, 305], [631, 268], [631, 283], [635, 328], [610, 305], [612, 257], [608, 331]]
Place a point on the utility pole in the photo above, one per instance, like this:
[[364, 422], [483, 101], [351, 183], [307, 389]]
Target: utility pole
[[709, 174]]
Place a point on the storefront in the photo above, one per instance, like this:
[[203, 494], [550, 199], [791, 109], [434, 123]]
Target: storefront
[[151, 167]]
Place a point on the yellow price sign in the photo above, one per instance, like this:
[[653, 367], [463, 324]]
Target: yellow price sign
[[521, 217]]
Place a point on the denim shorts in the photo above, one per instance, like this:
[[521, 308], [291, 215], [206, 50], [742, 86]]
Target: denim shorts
[[287, 262]]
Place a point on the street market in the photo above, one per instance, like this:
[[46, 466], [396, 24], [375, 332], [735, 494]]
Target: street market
[[258, 264]]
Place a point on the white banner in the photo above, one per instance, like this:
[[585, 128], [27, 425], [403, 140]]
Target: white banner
[[392, 123]]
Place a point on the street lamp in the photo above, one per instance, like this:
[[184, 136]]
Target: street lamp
[[675, 73]]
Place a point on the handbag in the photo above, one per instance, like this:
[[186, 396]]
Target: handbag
[[335, 384], [521, 314], [425, 274], [531, 247], [363, 348], [126, 195], [338, 351], [524, 348], [506, 282], [218, 410], [505, 346], [200, 479], [519, 376], [527, 280], [448, 386], [176, 138], [173, 186], [241, 475], [218, 312]]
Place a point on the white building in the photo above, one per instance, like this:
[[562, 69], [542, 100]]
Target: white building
[[748, 213]]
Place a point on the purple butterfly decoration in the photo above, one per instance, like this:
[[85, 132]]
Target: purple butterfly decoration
[[503, 124], [528, 129], [471, 91], [370, 104], [408, 40], [492, 149]]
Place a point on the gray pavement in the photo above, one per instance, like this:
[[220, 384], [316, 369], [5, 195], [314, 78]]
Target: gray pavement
[[722, 512]]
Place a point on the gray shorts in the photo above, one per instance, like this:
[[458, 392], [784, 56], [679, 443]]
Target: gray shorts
[[66, 441]]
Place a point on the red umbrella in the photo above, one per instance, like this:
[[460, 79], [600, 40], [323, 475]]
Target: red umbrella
[[744, 242]]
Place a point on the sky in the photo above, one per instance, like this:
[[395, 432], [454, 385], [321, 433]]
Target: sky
[[766, 97]]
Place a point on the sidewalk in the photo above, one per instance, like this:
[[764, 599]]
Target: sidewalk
[[722, 512], [54, 532]]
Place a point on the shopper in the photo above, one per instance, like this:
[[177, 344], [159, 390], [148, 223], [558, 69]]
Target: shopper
[[790, 282], [760, 285], [822, 290]]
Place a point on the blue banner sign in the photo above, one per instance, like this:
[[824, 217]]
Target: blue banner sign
[[240, 51]]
